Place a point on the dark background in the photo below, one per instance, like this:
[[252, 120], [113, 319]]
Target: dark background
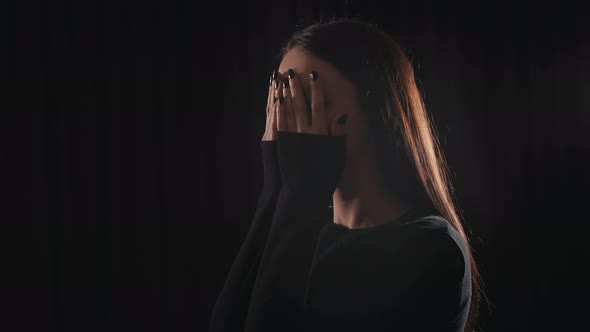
[[131, 157]]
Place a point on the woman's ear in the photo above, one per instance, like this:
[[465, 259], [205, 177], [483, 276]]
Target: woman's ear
[[338, 127]]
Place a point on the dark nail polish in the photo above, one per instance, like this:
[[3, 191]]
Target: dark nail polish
[[276, 84], [281, 99], [286, 83], [342, 119], [313, 75], [291, 73], [275, 75]]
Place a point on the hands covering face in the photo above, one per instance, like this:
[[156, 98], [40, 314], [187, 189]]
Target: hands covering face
[[288, 109]]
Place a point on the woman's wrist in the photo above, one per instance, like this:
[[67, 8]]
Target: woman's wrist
[[270, 164]]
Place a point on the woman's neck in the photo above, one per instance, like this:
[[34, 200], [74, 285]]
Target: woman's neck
[[360, 201]]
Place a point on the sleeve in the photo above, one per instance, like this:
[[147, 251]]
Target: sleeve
[[311, 166], [232, 302], [420, 286]]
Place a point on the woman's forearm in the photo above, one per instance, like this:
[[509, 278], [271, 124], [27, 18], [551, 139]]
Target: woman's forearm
[[232, 303]]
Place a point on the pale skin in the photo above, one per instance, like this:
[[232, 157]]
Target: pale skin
[[359, 200]]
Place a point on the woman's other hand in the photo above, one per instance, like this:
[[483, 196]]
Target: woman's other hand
[[272, 102], [296, 113]]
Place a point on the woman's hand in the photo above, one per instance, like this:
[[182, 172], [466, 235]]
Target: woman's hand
[[296, 114], [270, 133]]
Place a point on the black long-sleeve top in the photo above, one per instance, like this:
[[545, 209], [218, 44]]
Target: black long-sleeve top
[[299, 271]]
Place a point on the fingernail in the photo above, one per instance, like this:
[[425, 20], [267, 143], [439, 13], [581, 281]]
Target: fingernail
[[291, 73], [276, 84], [275, 74], [274, 100], [286, 83], [313, 75], [342, 119], [281, 99], [270, 80]]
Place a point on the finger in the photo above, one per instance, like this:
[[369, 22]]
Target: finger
[[269, 97], [273, 123], [281, 120], [288, 100], [318, 105], [269, 111], [278, 94], [277, 85], [281, 105], [298, 102], [281, 113]]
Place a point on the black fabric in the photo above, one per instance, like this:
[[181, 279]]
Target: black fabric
[[299, 271], [232, 303]]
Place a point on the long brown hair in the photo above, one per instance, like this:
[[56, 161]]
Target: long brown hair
[[408, 149]]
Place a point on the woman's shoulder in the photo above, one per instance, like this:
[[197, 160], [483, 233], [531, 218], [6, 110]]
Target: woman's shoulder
[[418, 237], [437, 230], [431, 224], [427, 228], [416, 250], [423, 238]]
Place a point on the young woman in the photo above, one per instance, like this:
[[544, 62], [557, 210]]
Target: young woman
[[355, 229]]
